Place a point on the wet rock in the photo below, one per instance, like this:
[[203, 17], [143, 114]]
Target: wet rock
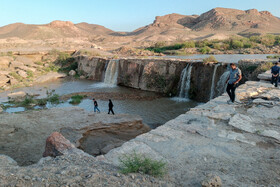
[[1, 110], [72, 73], [212, 181], [56, 144], [17, 96]]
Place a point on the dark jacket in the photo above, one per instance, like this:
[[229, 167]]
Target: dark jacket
[[95, 103], [111, 105], [275, 70]]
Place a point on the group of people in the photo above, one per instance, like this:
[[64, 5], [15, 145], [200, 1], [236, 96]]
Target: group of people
[[236, 76], [110, 105]]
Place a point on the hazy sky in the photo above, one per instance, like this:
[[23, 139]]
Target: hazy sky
[[119, 15]]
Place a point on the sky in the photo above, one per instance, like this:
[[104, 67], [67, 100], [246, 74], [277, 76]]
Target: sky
[[118, 15]]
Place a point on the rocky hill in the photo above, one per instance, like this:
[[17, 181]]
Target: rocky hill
[[55, 29], [218, 23], [213, 22]]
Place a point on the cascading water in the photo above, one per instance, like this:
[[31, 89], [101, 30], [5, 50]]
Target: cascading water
[[221, 85], [185, 82], [212, 93], [111, 74]]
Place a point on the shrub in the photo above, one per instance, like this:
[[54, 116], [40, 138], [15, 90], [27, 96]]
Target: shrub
[[29, 74], [16, 76], [138, 163], [273, 57], [236, 44], [268, 40], [54, 99], [205, 50], [38, 63], [9, 53], [189, 44], [256, 39], [41, 102], [217, 46], [210, 59], [76, 99]]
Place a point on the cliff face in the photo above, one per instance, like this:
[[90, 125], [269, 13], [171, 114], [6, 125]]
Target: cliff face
[[158, 75], [92, 68]]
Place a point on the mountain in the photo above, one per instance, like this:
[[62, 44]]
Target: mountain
[[55, 29], [218, 23]]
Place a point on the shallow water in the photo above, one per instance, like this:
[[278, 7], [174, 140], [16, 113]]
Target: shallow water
[[154, 112], [227, 58]]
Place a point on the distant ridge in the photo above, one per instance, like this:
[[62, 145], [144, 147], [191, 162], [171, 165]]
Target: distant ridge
[[216, 23]]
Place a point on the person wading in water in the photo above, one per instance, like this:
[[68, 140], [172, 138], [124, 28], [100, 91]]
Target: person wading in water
[[111, 107], [232, 82], [96, 106]]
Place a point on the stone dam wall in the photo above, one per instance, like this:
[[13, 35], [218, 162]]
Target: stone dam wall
[[158, 75]]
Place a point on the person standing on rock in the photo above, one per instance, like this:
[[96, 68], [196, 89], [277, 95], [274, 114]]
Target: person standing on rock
[[275, 74], [95, 106], [232, 82], [111, 107]]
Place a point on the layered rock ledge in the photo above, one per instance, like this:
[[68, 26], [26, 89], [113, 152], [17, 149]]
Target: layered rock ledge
[[240, 142]]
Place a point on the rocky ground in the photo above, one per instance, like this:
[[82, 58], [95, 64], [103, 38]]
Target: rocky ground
[[240, 142], [74, 168], [25, 70], [23, 135]]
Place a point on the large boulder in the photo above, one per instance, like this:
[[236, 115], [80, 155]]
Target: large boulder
[[72, 73], [1, 109], [56, 145], [212, 181], [17, 96], [5, 61], [49, 77], [22, 73], [15, 64], [3, 80], [266, 76]]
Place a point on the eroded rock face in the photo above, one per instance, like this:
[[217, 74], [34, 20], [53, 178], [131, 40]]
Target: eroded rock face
[[157, 75], [56, 144], [23, 135]]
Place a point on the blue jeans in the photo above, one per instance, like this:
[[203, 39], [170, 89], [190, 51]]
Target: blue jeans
[[96, 108], [274, 80]]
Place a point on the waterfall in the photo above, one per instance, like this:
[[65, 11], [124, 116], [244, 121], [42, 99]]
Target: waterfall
[[212, 93], [185, 82], [221, 85], [111, 74]]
